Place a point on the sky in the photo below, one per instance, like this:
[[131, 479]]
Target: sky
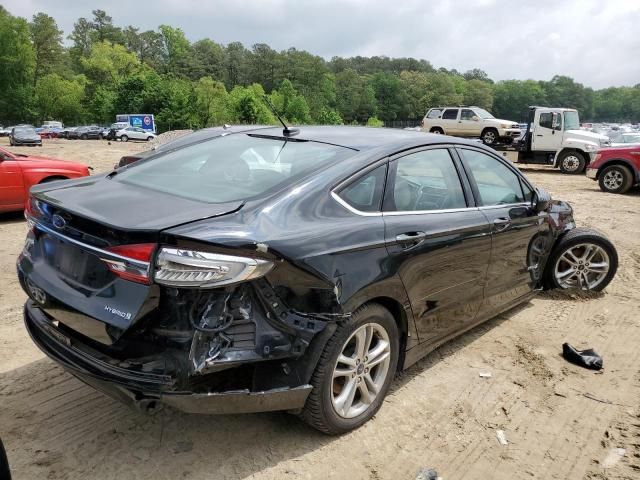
[[595, 42]]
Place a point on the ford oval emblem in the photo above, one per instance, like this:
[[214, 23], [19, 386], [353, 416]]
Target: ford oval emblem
[[58, 222]]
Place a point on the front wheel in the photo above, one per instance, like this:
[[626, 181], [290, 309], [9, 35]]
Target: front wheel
[[582, 259], [437, 131], [149, 139], [489, 136], [615, 179], [572, 163], [354, 372], [124, 138]]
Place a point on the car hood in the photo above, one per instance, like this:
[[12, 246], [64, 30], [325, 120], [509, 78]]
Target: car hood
[[587, 136], [53, 163], [127, 207]]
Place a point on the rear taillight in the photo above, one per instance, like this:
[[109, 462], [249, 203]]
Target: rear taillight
[[131, 262], [189, 268]]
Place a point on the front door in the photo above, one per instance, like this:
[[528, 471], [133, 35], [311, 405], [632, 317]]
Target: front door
[[11, 183], [547, 135], [506, 201], [468, 126], [438, 240]]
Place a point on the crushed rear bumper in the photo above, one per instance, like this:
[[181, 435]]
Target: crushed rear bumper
[[140, 389]]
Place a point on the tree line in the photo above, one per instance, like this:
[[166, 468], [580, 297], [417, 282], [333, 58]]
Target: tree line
[[107, 69]]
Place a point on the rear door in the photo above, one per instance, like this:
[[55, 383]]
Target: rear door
[[437, 240], [12, 193], [450, 121], [505, 198]]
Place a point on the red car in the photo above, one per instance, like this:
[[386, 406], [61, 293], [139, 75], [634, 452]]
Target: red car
[[18, 172], [616, 169]]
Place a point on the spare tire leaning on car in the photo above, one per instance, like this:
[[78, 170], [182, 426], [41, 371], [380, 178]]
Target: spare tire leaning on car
[[583, 259]]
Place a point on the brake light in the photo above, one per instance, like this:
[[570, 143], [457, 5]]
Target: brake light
[[131, 262]]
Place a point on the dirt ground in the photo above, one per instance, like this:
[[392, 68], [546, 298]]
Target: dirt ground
[[560, 421]]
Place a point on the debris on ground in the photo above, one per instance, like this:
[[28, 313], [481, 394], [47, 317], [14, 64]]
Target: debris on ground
[[588, 358], [502, 438], [613, 457], [428, 474], [485, 374]]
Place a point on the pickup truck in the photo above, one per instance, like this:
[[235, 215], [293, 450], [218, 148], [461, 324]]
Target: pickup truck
[[553, 137]]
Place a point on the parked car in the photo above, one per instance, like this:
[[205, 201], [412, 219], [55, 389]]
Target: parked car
[[624, 139], [64, 133], [474, 122], [5, 132], [134, 133], [289, 270], [49, 132], [24, 135], [91, 132], [19, 172], [616, 169]]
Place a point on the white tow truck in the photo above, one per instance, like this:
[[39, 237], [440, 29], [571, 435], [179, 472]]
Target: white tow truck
[[553, 137]]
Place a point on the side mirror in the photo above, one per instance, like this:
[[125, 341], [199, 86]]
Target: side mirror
[[541, 199], [475, 118]]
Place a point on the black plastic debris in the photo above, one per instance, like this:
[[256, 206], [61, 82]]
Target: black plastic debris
[[588, 358]]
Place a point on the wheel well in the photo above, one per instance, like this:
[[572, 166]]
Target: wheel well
[[53, 178], [622, 163], [400, 315], [436, 128], [488, 128]]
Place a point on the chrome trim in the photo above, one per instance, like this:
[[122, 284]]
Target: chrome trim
[[425, 212], [98, 251], [506, 205], [337, 198]]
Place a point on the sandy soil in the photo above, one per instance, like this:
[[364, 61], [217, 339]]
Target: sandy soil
[[560, 421]]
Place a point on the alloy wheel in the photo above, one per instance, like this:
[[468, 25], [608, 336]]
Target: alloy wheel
[[360, 370], [489, 137], [582, 266], [613, 180]]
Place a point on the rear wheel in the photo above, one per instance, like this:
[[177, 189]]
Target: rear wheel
[[354, 372], [582, 259], [572, 163], [615, 179], [83, 136], [489, 136], [124, 138], [437, 130]]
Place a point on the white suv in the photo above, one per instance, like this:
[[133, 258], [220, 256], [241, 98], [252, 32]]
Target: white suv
[[470, 122]]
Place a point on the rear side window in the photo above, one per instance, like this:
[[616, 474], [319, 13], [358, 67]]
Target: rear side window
[[497, 183], [450, 114], [231, 168], [426, 180], [365, 193], [435, 113]]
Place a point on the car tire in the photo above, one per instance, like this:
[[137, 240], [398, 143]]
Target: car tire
[[581, 252], [572, 162], [437, 130], [489, 136], [124, 138], [100, 137], [372, 322], [84, 136], [615, 179], [149, 139]]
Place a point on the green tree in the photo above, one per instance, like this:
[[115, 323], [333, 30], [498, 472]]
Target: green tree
[[103, 29], [479, 93], [211, 102], [46, 39], [176, 50], [329, 117], [17, 68], [388, 92], [512, 98], [60, 99]]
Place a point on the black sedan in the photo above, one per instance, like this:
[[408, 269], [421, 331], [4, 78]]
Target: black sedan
[[264, 269], [24, 135], [92, 132]]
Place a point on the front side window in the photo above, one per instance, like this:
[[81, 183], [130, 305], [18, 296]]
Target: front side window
[[546, 120], [450, 114], [426, 180], [467, 114], [231, 168], [365, 193], [497, 184]]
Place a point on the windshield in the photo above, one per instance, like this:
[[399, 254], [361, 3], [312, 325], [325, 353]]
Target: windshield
[[571, 121], [25, 131], [231, 168], [482, 113]]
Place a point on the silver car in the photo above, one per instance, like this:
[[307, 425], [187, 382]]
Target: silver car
[[134, 133]]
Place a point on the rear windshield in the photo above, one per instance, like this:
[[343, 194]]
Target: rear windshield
[[231, 168]]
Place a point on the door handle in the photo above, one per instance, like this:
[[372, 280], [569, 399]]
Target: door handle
[[410, 238], [539, 135], [502, 223]]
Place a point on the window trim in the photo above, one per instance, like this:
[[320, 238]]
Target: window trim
[[335, 192], [474, 187], [451, 108]]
